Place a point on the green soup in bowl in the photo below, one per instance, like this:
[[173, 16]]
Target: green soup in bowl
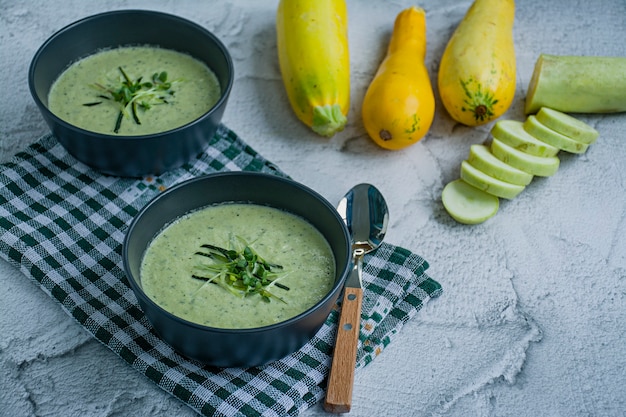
[[282, 201], [134, 90], [238, 266], [131, 153]]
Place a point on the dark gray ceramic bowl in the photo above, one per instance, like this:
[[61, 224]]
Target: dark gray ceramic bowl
[[236, 347], [131, 156]]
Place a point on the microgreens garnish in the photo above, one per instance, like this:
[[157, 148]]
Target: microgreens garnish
[[243, 272], [134, 95]]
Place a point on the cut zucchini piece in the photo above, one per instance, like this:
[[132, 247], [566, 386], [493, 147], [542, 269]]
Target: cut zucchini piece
[[513, 134], [489, 184], [545, 134], [567, 125], [534, 165], [481, 158], [577, 84], [467, 204]]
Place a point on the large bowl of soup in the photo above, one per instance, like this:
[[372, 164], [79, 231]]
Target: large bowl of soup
[[132, 92], [237, 269]]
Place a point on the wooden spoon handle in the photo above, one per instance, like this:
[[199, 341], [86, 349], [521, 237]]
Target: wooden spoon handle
[[341, 378]]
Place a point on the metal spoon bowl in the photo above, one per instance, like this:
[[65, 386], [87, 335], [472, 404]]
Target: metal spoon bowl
[[366, 215]]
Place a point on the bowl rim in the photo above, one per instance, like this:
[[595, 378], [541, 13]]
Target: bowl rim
[[136, 287], [85, 20]]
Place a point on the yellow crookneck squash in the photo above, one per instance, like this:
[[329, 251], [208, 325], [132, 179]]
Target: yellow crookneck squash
[[312, 41], [477, 71], [399, 105]]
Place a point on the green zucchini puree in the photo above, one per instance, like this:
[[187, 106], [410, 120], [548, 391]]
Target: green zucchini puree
[[196, 90], [279, 237]]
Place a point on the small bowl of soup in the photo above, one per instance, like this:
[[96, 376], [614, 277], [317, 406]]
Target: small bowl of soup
[[237, 269], [132, 92]]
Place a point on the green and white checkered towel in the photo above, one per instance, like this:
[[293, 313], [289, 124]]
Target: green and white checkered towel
[[62, 224]]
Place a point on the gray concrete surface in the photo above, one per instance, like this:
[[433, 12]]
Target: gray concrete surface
[[533, 318]]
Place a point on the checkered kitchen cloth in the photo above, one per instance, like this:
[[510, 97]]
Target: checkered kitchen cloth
[[62, 224]]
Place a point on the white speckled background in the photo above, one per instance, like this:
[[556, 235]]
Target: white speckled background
[[532, 321]]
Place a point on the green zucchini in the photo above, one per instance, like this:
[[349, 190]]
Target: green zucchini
[[467, 204], [578, 84], [567, 125]]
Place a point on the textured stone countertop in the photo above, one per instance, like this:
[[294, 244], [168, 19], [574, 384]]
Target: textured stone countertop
[[532, 321]]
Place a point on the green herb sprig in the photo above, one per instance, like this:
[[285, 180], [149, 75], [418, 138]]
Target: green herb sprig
[[242, 272], [134, 95]]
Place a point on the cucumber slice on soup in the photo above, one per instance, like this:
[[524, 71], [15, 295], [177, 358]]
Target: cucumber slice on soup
[[513, 134], [545, 134], [467, 204], [489, 184], [534, 165], [567, 125], [481, 157]]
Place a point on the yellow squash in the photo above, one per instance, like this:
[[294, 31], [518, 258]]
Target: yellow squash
[[477, 69], [312, 40], [399, 105]]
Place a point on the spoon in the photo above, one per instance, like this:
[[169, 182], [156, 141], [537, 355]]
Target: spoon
[[365, 212]]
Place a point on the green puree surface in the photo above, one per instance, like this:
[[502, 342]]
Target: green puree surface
[[277, 236], [197, 90]]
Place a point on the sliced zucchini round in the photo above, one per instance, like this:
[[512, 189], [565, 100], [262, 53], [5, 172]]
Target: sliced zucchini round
[[481, 157], [513, 134], [467, 204], [554, 138], [489, 184], [567, 125], [535, 165]]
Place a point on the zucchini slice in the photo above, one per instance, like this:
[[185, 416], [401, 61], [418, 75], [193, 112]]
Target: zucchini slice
[[467, 204]]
